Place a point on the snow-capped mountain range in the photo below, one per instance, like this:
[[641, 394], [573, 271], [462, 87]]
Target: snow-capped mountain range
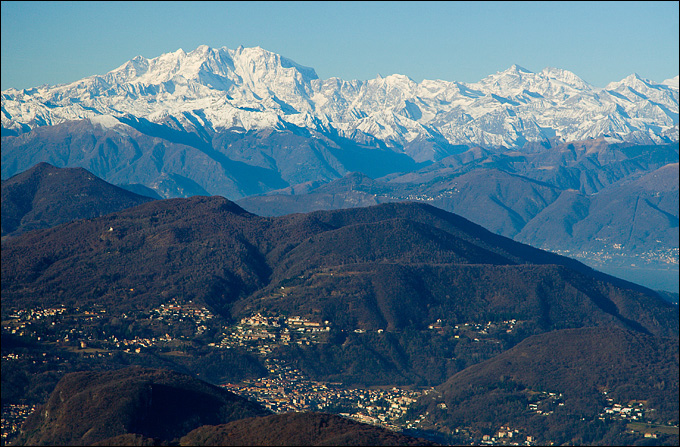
[[251, 88]]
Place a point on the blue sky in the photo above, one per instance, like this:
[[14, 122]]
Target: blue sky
[[58, 42]]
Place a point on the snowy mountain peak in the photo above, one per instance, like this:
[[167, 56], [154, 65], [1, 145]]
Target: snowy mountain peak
[[263, 59], [565, 76], [202, 49], [634, 81], [518, 69], [514, 72], [510, 81]]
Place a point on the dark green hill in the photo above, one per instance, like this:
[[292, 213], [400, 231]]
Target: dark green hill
[[297, 429], [45, 196], [88, 407], [586, 370]]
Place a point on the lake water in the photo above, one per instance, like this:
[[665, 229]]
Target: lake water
[[656, 278]]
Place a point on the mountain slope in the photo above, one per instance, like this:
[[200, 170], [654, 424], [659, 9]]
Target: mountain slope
[[585, 369], [610, 205], [89, 407], [640, 212], [45, 196], [572, 197], [175, 163]]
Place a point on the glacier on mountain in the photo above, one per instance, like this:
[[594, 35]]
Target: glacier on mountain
[[210, 89]]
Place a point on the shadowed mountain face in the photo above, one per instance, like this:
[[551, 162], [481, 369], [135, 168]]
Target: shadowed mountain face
[[608, 205], [89, 407], [45, 196], [173, 163], [640, 212], [581, 196]]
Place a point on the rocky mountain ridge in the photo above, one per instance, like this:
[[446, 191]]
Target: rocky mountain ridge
[[212, 89]]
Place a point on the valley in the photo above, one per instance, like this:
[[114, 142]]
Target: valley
[[59, 340]]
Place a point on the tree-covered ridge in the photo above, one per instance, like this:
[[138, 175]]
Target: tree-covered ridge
[[88, 407], [45, 196], [209, 250], [558, 386]]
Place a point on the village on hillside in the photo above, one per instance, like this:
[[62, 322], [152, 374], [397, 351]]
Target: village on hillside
[[174, 328]]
